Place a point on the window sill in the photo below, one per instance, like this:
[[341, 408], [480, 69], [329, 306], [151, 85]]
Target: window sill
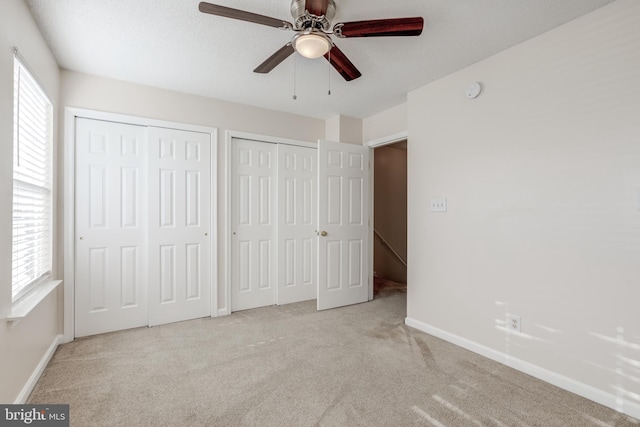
[[25, 305]]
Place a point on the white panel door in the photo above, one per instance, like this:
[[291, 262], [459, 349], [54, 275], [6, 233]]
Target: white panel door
[[297, 246], [253, 224], [343, 221], [111, 212], [179, 225]]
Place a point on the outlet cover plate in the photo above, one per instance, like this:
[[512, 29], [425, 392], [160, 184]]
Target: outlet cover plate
[[514, 323]]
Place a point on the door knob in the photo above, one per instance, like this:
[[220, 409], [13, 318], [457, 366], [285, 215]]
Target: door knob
[[81, 238], [323, 233]]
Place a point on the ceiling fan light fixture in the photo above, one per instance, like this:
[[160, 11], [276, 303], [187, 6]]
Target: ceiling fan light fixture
[[311, 45]]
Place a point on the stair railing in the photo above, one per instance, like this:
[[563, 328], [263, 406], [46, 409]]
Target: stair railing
[[384, 242]]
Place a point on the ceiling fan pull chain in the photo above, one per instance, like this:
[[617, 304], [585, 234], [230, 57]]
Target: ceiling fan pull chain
[[295, 60], [329, 93]]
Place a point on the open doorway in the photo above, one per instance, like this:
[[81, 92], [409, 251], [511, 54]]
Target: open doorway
[[390, 217]]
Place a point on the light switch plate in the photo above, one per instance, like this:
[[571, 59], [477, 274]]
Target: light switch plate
[[438, 205]]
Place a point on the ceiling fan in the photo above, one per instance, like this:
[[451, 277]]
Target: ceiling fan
[[312, 27]]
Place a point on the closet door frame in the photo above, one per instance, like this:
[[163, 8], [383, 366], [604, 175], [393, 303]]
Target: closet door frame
[[229, 137], [69, 238]]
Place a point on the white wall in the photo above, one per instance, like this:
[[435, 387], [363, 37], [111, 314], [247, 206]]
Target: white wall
[[23, 346], [86, 91], [384, 124], [344, 129], [96, 93], [332, 128], [542, 174]]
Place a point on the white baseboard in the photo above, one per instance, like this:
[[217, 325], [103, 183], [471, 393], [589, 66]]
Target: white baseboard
[[37, 373], [222, 312], [602, 397]]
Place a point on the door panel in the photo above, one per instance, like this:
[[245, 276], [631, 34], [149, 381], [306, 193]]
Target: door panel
[[253, 245], [343, 218], [111, 255], [180, 208], [297, 177]]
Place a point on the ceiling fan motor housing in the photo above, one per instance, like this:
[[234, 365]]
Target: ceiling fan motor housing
[[305, 20]]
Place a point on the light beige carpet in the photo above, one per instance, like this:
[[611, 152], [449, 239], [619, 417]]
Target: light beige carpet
[[294, 366]]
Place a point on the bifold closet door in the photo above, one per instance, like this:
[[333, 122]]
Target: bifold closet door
[[179, 225], [273, 217], [143, 214], [297, 211], [253, 224], [111, 221]]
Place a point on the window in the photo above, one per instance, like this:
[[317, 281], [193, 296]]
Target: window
[[32, 183]]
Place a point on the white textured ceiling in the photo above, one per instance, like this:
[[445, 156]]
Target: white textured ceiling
[[170, 44]]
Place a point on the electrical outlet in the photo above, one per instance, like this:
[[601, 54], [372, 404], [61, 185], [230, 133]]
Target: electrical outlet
[[438, 205], [513, 323]]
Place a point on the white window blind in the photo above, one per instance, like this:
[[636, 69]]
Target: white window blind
[[32, 183]]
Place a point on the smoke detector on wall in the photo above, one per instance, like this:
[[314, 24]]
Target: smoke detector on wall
[[474, 90]]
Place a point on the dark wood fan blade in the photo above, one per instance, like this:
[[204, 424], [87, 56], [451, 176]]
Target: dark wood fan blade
[[317, 7], [274, 60], [228, 12], [380, 27], [342, 64]]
